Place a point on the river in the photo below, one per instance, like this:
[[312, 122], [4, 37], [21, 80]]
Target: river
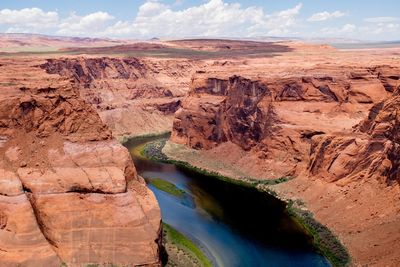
[[233, 225]]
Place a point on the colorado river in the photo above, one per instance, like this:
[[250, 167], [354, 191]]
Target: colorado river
[[234, 225]]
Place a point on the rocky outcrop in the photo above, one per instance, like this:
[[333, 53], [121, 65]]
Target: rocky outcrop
[[277, 118], [69, 193], [50, 112], [329, 119], [108, 81], [119, 87], [371, 151]]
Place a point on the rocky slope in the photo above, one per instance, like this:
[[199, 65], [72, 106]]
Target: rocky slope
[[371, 151], [275, 118], [119, 87], [69, 193], [330, 119]]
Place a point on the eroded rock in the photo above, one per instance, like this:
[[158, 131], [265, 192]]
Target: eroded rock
[[272, 116], [69, 193]]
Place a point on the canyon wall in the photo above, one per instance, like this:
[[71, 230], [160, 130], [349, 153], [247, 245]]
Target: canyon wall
[[371, 150], [150, 89], [277, 118], [329, 121], [69, 193]]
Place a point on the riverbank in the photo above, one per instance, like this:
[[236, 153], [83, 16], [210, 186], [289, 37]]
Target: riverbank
[[181, 250], [125, 138], [324, 240], [154, 151]]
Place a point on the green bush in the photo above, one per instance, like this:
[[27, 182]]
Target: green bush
[[324, 240]]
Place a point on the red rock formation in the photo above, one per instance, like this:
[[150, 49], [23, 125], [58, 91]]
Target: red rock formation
[[275, 117], [68, 191], [330, 119], [371, 151], [120, 87]]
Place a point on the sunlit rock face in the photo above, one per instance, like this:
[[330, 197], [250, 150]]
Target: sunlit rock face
[[117, 88], [69, 193], [278, 117], [327, 118], [371, 151]]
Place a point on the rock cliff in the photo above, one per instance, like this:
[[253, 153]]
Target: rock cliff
[[277, 118], [119, 87], [371, 150], [329, 119], [69, 193]]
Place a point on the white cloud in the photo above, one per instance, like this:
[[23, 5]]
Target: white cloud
[[92, 24], [382, 28], [322, 16], [213, 18], [347, 28], [381, 19], [282, 22], [28, 19], [339, 31]]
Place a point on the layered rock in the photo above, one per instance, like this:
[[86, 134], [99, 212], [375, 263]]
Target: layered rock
[[329, 119], [276, 118], [69, 193], [371, 151], [120, 87]]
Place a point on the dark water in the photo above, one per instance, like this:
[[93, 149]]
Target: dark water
[[234, 225]]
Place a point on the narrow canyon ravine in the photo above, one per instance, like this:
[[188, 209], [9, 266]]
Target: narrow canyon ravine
[[233, 225]]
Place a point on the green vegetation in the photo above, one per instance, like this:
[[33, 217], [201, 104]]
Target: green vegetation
[[125, 138], [167, 187], [324, 240], [153, 151], [280, 180], [185, 245]]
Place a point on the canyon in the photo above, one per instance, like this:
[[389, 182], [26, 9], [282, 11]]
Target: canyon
[[331, 122], [119, 88], [69, 192]]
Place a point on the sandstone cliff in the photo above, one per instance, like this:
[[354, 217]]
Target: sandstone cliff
[[330, 120], [69, 193], [119, 87], [277, 118], [371, 150]]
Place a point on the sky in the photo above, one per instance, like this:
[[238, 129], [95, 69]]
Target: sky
[[370, 20]]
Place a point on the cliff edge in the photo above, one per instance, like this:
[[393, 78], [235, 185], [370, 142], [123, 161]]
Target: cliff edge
[[69, 193]]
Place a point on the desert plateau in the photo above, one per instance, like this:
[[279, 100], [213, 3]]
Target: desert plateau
[[204, 145]]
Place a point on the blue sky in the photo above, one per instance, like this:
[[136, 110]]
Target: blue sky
[[355, 19]]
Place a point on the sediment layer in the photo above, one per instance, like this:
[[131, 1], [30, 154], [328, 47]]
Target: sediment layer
[[328, 118], [69, 193]]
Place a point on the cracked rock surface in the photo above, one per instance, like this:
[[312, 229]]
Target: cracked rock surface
[[328, 118], [69, 193]]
